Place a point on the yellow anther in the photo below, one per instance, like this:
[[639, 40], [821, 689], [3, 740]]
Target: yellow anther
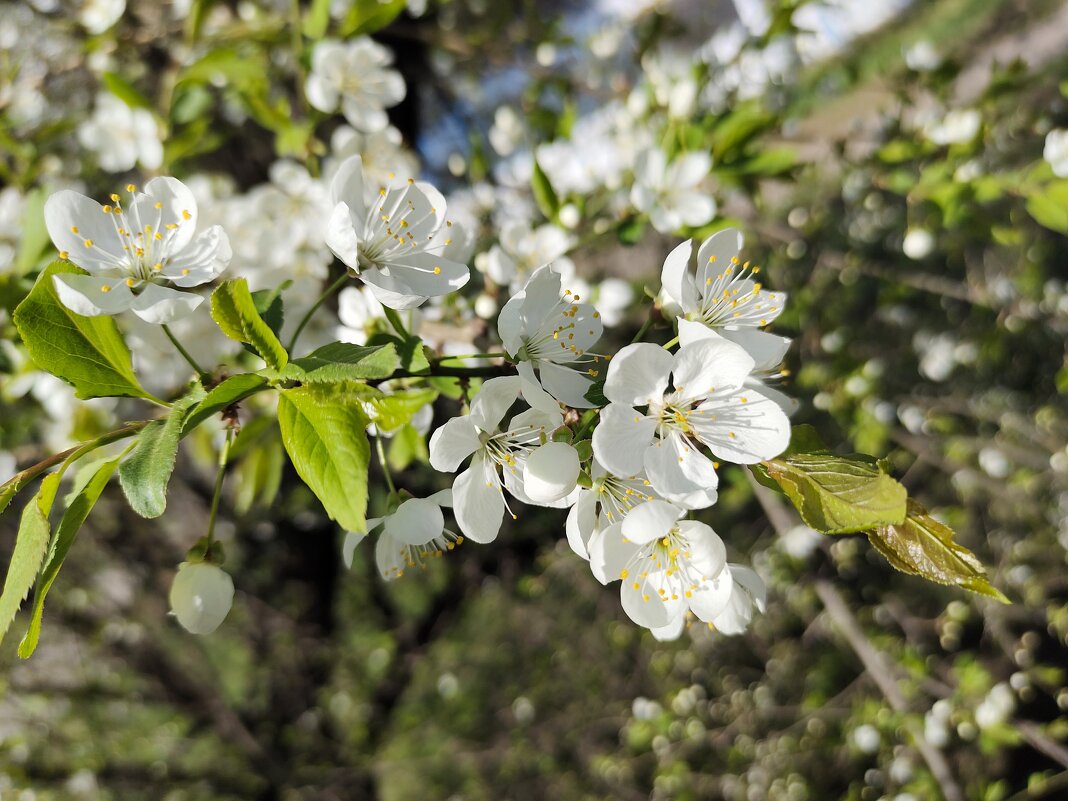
[[114, 198], [74, 229], [88, 243], [185, 271], [131, 283], [131, 188], [437, 271], [186, 215], [107, 209], [159, 205], [64, 254], [105, 288]]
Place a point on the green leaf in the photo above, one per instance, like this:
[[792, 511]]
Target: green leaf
[[544, 195], [1049, 206], [30, 548], [125, 91], [922, 546], [33, 237], [269, 305], [259, 473], [145, 474], [317, 19], [595, 394], [86, 352], [838, 494], [234, 310], [234, 389], [405, 447], [78, 509], [632, 231], [324, 432], [367, 16], [391, 411], [341, 361]]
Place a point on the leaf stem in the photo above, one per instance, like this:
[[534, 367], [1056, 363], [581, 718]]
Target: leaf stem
[[224, 457], [671, 343], [396, 322], [201, 374], [330, 290], [385, 467]]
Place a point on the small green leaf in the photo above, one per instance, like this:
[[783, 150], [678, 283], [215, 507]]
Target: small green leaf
[[30, 548], [838, 494], [1049, 206], [631, 231], [86, 352], [324, 432], [317, 19], [78, 509], [595, 394], [125, 91], [405, 447], [367, 16], [33, 237], [340, 361], [145, 474], [259, 473], [234, 389], [922, 546], [391, 411], [271, 308], [544, 195], [234, 310]]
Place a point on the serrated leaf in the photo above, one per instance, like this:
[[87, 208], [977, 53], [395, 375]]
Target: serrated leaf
[[30, 548], [234, 311], [78, 509], [147, 471], [922, 546], [86, 352], [234, 389], [544, 195], [340, 361], [324, 432], [838, 494], [271, 307]]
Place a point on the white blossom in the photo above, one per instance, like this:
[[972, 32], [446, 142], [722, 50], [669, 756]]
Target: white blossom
[[521, 250], [669, 193], [357, 76], [1055, 151], [134, 255], [550, 334], [395, 243], [121, 137], [96, 16], [959, 126]]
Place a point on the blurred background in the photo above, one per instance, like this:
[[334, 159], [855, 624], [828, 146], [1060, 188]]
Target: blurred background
[[899, 168]]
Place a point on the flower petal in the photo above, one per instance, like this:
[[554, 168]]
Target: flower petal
[[416, 522], [86, 295], [80, 228], [638, 374], [650, 521], [743, 427], [532, 389], [479, 505], [610, 553], [711, 365], [159, 304], [347, 187], [676, 279], [452, 443], [581, 523], [493, 401], [715, 255], [202, 261], [550, 472], [767, 350], [566, 385], [167, 205], [621, 439], [681, 473]]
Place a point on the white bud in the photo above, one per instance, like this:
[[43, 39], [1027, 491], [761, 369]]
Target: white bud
[[918, 243], [201, 596], [551, 472]]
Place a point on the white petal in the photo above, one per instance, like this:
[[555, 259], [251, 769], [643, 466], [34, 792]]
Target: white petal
[[767, 350], [715, 255], [712, 597], [452, 443], [743, 432], [479, 506], [416, 522], [493, 400], [532, 390], [650, 521], [644, 606], [694, 208], [550, 472], [680, 473], [426, 274], [66, 210], [202, 261], [581, 523], [566, 385], [348, 547], [347, 187], [676, 279], [85, 295], [707, 553], [672, 631], [610, 553], [177, 208], [321, 93], [510, 325], [710, 365], [341, 236], [621, 439], [638, 374], [691, 331], [160, 305], [401, 301]]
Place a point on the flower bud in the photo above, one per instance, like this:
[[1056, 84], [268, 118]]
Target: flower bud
[[201, 596]]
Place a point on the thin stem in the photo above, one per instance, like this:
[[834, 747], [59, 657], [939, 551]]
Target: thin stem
[[645, 327], [20, 479], [671, 343], [456, 372], [224, 457], [501, 355], [587, 425], [330, 290], [201, 374], [385, 467]]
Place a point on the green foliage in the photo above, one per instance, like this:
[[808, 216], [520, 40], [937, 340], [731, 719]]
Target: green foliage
[[86, 352], [233, 390], [405, 447], [341, 361], [145, 474], [1049, 206], [395, 409], [30, 548], [34, 236], [78, 509], [234, 311], [125, 91], [923, 546], [367, 16], [324, 432], [544, 195]]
